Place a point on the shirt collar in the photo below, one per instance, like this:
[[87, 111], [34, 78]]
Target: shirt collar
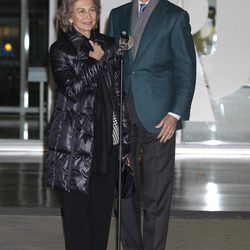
[[139, 2]]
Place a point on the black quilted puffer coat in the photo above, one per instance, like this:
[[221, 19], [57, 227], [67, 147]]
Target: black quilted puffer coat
[[71, 129]]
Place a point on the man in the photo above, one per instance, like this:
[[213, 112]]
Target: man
[[159, 80]]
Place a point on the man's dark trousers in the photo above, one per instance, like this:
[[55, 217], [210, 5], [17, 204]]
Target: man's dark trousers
[[158, 176]]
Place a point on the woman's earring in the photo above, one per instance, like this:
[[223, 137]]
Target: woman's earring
[[71, 26]]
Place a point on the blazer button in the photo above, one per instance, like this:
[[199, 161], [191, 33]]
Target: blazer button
[[133, 72]]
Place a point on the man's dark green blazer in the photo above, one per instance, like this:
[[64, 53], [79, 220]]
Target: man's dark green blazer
[[162, 75]]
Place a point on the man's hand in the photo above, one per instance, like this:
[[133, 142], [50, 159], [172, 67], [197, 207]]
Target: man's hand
[[97, 52], [168, 127]]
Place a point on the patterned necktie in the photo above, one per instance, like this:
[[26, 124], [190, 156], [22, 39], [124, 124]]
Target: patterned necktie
[[142, 8]]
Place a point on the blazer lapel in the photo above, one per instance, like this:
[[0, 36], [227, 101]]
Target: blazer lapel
[[150, 30], [138, 24]]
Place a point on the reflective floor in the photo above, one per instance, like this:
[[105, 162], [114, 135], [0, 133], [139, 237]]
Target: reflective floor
[[212, 185], [207, 184], [211, 197], [20, 232]]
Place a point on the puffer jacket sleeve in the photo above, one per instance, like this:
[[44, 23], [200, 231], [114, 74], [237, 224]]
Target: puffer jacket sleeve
[[73, 79]]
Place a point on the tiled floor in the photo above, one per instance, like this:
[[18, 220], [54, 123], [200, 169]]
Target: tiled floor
[[19, 232], [211, 206], [200, 185], [212, 185]]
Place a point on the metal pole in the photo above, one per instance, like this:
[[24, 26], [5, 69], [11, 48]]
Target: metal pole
[[41, 113], [52, 38], [125, 43], [24, 53], [119, 198]]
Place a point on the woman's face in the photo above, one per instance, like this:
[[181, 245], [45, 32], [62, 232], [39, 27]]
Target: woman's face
[[84, 16]]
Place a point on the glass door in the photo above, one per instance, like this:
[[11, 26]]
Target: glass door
[[23, 68]]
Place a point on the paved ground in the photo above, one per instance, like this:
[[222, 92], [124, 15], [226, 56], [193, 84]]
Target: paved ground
[[43, 232], [30, 218]]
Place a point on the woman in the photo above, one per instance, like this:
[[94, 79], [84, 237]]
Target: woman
[[83, 132]]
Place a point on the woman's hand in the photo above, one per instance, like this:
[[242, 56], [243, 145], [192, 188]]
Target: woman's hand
[[97, 52]]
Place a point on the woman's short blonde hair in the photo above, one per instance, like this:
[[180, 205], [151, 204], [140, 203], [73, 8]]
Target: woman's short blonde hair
[[65, 12]]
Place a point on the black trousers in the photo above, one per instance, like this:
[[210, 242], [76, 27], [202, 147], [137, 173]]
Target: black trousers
[[86, 218], [158, 177]]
